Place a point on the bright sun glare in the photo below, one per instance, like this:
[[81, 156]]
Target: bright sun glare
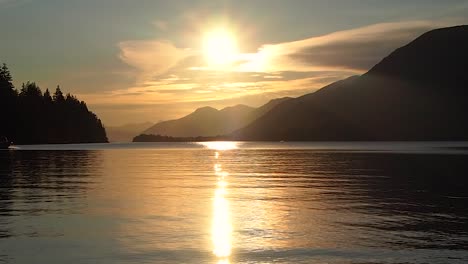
[[219, 47]]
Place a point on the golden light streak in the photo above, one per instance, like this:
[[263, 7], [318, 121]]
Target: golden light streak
[[221, 228], [220, 145]]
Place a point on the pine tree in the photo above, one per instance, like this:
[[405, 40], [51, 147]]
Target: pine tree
[[6, 83], [33, 117], [47, 97], [31, 90], [8, 98], [58, 95], [5, 74]]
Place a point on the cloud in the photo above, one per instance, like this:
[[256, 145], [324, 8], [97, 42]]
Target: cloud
[[140, 105], [354, 50], [151, 57], [168, 74]]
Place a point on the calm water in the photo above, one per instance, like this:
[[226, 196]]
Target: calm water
[[235, 203]]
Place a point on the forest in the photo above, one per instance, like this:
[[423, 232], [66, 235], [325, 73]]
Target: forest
[[30, 116]]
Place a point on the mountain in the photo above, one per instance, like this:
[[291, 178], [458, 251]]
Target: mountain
[[418, 92], [210, 122], [125, 133]]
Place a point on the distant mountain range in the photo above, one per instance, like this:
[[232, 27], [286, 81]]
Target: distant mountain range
[[210, 122], [125, 133], [418, 92]]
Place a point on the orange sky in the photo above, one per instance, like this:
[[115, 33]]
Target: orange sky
[[159, 60]]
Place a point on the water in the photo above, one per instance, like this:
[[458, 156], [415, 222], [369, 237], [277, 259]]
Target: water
[[235, 203]]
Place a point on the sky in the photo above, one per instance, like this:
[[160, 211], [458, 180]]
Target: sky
[[141, 60]]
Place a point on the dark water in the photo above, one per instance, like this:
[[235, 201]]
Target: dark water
[[235, 203]]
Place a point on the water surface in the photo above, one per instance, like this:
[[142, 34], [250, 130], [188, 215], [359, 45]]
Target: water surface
[[336, 202]]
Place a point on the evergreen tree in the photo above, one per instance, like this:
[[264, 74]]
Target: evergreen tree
[[58, 95], [8, 96], [31, 90], [47, 97], [5, 74], [33, 117], [7, 90]]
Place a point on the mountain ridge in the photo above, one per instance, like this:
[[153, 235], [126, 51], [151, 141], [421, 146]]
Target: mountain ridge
[[210, 122], [418, 92]]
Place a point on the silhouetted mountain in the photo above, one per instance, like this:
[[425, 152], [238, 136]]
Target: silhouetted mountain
[[29, 116], [125, 133], [210, 122], [418, 92]]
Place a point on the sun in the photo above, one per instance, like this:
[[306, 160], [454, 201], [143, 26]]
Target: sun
[[220, 47]]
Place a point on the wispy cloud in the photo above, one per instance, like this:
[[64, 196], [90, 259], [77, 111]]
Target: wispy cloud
[[354, 50], [162, 66], [151, 57]]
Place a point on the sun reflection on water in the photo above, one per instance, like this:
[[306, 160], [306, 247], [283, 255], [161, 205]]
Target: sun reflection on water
[[221, 227], [220, 145]]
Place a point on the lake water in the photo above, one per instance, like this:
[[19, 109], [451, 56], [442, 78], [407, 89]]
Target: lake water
[[235, 203]]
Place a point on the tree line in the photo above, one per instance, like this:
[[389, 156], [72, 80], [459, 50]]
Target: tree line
[[161, 138], [29, 116]]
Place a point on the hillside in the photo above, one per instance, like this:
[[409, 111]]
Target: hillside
[[210, 122], [418, 92]]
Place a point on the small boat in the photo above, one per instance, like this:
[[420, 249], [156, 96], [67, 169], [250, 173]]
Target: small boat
[[5, 143]]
